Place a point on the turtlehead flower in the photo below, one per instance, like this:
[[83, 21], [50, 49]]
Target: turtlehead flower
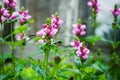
[[75, 44], [41, 41], [21, 36], [79, 29], [81, 51], [14, 15], [10, 3], [50, 29], [94, 4], [56, 21], [41, 33], [3, 19], [24, 16], [4, 14], [52, 32], [115, 12]]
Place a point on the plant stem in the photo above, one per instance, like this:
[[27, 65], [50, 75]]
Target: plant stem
[[46, 57], [21, 51], [12, 45], [1, 47], [115, 35], [94, 21], [46, 60]]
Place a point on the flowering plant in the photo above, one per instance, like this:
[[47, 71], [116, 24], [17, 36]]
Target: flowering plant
[[77, 61]]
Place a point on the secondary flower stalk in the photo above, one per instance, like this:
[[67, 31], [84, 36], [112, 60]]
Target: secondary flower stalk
[[95, 9], [81, 50], [115, 12]]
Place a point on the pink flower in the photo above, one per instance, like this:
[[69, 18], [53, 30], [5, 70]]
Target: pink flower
[[3, 19], [49, 30], [82, 52], [41, 33], [4, 14], [78, 29], [44, 25], [53, 32], [90, 4], [56, 21], [27, 39], [19, 36], [46, 30], [22, 20], [24, 16], [10, 3], [75, 44], [41, 41], [115, 12], [14, 16], [94, 4]]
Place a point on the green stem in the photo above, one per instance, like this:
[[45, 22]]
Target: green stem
[[1, 47], [21, 51], [94, 22], [46, 60], [12, 45], [115, 35], [46, 57]]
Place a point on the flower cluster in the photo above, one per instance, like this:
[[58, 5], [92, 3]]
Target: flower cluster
[[79, 29], [95, 5], [115, 11], [10, 3], [3, 14], [21, 36], [50, 29], [81, 50], [13, 16], [24, 16], [10, 15]]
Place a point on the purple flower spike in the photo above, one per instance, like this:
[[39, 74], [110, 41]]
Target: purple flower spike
[[94, 4], [79, 29], [24, 16], [81, 51], [115, 12], [10, 3]]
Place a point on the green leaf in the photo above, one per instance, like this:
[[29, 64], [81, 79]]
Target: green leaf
[[1, 40], [40, 71], [21, 29], [99, 66], [36, 66], [116, 44], [93, 39], [102, 77], [20, 64], [31, 21], [28, 73], [75, 71], [3, 76], [96, 66]]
